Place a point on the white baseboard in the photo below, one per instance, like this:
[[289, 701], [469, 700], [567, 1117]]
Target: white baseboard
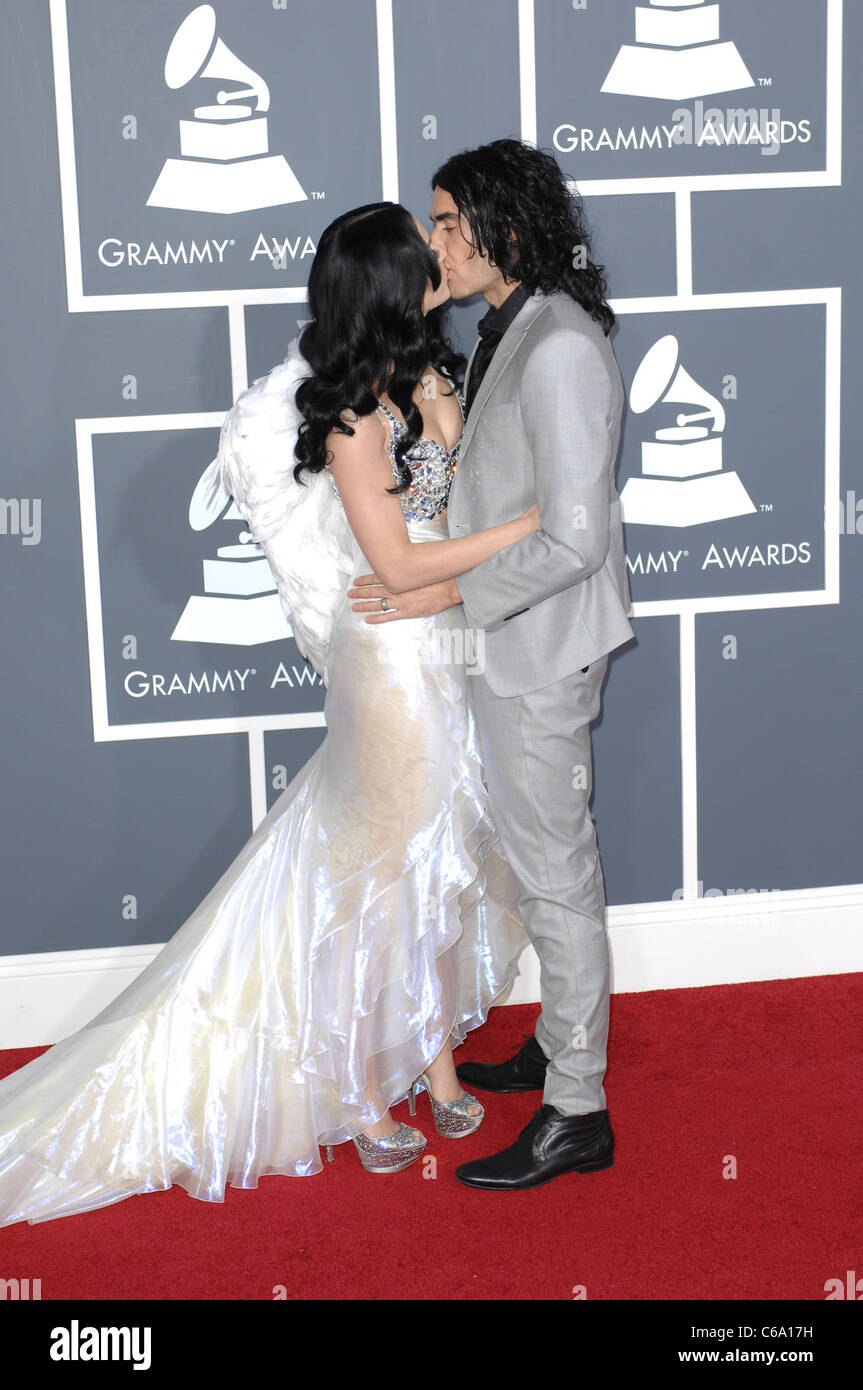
[[664, 945]]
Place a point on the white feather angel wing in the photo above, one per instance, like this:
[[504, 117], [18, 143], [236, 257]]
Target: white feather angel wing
[[301, 527]]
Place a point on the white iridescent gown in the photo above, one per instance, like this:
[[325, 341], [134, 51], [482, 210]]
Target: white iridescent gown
[[370, 917]]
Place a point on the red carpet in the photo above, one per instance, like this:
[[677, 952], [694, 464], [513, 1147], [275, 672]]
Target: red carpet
[[769, 1073]]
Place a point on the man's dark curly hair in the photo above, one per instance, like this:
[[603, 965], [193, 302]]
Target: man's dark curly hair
[[509, 187]]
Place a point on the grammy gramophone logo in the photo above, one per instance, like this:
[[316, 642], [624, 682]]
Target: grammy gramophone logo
[[677, 54], [240, 605], [682, 481], [224, 164]]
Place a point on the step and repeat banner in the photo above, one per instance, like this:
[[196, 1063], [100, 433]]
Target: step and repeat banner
[[169, 171]]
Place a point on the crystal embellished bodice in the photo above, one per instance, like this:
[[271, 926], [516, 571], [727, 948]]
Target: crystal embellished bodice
[[432, 468]]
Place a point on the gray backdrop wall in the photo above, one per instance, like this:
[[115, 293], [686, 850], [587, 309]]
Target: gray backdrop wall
[[155, 248]]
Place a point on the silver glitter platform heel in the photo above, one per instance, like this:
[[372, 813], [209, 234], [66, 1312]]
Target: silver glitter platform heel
[[389, 1154], [450, 1116]]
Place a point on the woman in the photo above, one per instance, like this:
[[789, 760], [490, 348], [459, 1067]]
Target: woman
[[371, 919]]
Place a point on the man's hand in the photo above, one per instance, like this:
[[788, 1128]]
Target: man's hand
[[413, 603]]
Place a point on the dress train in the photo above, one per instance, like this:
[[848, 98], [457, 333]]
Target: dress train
[[369, 917]]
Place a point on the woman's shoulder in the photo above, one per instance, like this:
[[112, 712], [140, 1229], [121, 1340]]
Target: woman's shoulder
[[368, 432]]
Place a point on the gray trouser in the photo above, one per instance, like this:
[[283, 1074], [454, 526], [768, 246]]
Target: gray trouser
[[538, 763]]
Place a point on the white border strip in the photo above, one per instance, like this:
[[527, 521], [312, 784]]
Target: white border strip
[[688, 758], [527, 70], [387, 97], [237, 348], [66, 151], [683, 242], [664, 945], [834, 90], [257, 776]]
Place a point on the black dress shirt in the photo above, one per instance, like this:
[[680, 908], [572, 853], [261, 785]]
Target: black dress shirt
[[491, 329]]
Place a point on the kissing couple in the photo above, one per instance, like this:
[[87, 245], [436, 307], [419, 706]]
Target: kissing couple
[[448, 549]]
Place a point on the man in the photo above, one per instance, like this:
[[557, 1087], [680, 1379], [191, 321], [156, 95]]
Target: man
[[544, 404]]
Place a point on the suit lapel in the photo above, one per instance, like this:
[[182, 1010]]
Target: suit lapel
[[506, 350], [469, 365]]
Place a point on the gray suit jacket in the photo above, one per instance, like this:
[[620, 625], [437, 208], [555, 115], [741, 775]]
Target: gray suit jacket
[[545, 428]]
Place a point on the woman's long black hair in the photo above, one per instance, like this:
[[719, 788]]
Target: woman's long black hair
[[368, 330], [509, 187]]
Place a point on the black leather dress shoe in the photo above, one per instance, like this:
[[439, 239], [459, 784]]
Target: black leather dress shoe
[[523, 1072], [550, 1144]]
